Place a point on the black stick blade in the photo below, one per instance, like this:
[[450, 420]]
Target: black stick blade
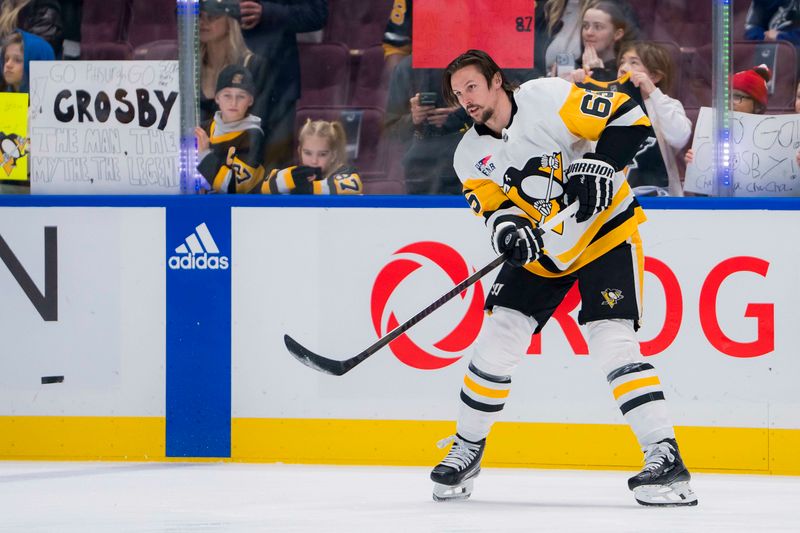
[[312, 360]]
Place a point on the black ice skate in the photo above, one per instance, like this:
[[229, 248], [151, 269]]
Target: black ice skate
[[664, 480], [453, 477]]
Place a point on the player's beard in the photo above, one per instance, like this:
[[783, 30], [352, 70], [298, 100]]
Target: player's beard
[[485, 115]]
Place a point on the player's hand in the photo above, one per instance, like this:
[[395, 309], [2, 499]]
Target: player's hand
[[689, 157], [590, 181], [643, 82], [203, 142], [771, 35], [251, 13], [419, 112], [518, 240]]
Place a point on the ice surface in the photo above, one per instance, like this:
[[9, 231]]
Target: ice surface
[[210, 497]]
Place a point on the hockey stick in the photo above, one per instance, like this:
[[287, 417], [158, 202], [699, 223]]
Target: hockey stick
[[338, 368]]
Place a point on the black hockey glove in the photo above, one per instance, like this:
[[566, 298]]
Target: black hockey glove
[[591, 182], [518, 240]]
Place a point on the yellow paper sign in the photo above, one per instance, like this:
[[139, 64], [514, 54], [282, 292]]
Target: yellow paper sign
[[14, 142]]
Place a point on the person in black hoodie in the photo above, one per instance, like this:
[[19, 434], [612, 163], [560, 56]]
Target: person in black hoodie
[[270, 29], [39, 17]]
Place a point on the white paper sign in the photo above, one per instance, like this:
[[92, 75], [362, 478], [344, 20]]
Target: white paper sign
[[102, 127], [762, 155]]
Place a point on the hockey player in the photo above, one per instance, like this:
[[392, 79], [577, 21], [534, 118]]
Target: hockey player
[[524, 160], [230, 148]]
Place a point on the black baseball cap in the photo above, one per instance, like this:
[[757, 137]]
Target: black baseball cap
[[229, 8], [237, 77]]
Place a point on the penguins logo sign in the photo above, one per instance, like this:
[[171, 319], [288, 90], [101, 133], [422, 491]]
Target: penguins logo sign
[[12, 148], [394, 273]]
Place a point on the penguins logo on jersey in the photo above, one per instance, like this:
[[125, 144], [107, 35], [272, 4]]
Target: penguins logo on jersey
[[611, 297], [537, 185]]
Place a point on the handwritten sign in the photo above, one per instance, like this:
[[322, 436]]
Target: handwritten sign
[[443, 30], [763, 155], [102, 127], [14, 136]]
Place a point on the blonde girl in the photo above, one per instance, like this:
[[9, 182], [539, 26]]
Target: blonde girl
[[323, 168]]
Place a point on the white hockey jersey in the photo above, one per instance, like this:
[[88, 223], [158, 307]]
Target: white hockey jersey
[[521, 171]]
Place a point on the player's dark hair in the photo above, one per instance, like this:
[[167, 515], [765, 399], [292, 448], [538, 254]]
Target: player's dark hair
[[485, 65]]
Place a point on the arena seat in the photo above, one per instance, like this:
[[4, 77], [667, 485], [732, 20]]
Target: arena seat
[[370, 80], [104, 30], [357, 23], [686, 22], [152, 20], [380, 183], [324, 73], [157, 50]]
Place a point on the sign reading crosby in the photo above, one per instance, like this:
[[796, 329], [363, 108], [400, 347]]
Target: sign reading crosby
[[101, 127]]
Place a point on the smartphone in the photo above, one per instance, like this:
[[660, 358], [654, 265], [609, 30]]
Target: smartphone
[[565, 63], [427, 98]]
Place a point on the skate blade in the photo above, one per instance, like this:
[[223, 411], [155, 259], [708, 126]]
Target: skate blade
[[676, 495], [444, 493]]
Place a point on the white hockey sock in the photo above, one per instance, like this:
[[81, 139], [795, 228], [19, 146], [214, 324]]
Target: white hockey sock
[[503, 340], [634, 382]]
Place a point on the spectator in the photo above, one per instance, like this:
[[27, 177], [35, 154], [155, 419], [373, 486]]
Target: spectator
[[397, 36], [230, 147], [222, 44], [772, 20], [19, 49], [605, 28], [558, 34], [270, 29], [424, 128], [650, 69], [323, 167], [39, 17], [749, 94]]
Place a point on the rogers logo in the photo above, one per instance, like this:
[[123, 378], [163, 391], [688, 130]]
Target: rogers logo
[[393, 274]]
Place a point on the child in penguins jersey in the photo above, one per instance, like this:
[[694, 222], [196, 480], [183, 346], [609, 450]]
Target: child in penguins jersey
[[230, 147], [323, 167]]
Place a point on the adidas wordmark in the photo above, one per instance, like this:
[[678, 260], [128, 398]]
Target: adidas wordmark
[[198, 252]]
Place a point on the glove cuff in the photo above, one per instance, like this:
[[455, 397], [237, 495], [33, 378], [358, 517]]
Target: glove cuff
[[604, 158]]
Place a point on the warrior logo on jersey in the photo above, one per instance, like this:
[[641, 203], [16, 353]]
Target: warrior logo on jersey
[[484, 166], [537, 187], [611, 297]]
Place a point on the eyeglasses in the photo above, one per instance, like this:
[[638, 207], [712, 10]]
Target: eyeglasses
[[738, 98]]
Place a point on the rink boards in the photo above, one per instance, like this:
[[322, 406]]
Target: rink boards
[[165, 317]]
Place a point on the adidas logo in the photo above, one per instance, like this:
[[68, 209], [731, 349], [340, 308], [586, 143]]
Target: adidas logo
[[198, 252]]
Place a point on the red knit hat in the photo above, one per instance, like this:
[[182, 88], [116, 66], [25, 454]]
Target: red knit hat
[[753, 82]]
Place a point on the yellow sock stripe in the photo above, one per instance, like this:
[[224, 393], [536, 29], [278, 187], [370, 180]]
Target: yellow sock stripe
[[635, 384], [484, 391]]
